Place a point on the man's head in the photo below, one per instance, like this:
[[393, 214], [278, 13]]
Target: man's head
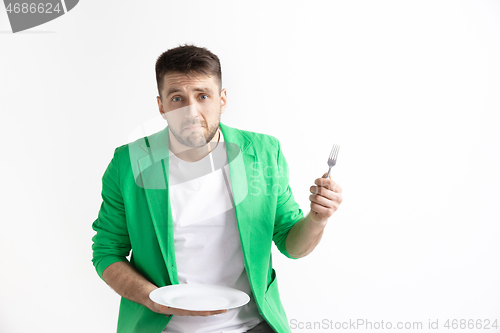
[[188, 60], [190, 92]]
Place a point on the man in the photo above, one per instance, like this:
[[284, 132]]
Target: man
[[201, 202]]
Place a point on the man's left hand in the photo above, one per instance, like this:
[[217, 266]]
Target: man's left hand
[[325, 199]]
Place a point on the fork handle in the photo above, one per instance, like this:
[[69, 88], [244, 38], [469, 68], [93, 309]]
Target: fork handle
[[328, 174]]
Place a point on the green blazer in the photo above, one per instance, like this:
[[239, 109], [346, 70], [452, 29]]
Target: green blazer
[[135, 215]]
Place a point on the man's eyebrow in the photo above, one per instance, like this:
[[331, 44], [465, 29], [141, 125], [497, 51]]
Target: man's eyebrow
[[175, 89]]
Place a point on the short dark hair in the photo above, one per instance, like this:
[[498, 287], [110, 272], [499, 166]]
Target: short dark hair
[[187, 59]]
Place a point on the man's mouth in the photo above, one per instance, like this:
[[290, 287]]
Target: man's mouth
[[192, 127]]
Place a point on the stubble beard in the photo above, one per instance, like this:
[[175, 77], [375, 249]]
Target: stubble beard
[[197, 139]]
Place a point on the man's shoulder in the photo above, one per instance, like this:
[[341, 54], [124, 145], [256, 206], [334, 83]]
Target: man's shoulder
[[123, 149], [140, 144], [259, 140]]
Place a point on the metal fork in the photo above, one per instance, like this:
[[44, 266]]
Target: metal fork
[[332, 159]]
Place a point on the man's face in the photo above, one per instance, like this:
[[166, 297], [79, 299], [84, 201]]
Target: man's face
[[192, 107]]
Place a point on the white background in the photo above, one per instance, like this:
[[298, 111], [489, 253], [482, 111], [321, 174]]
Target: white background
[[410, 89]]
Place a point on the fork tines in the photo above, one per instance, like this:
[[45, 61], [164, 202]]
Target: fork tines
[[334, 153]]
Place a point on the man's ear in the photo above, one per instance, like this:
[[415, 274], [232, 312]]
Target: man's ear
[[223, 100], [160, 106]]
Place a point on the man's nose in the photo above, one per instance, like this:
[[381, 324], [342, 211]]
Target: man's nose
[[192, 110]]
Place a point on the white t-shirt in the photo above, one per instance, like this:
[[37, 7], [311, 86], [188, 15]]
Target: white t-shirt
[[206, 239]]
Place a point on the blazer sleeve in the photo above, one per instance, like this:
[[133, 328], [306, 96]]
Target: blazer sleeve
[[111, 243], [287, 210]]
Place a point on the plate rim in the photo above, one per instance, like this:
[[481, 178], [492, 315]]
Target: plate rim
[[160, 290]]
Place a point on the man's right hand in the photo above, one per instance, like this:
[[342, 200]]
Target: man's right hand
[[166, 310], [129, 283]]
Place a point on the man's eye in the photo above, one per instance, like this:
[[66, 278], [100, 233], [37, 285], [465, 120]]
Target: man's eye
[[205, 96], [176, 99]]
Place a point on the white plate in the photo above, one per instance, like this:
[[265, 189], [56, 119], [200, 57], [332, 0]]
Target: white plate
[[199, 297]]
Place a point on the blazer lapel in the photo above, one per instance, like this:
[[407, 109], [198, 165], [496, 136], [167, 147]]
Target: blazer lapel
[[241, 156], [153, 172]]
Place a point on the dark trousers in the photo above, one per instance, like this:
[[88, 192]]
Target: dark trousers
[[263, 327]]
